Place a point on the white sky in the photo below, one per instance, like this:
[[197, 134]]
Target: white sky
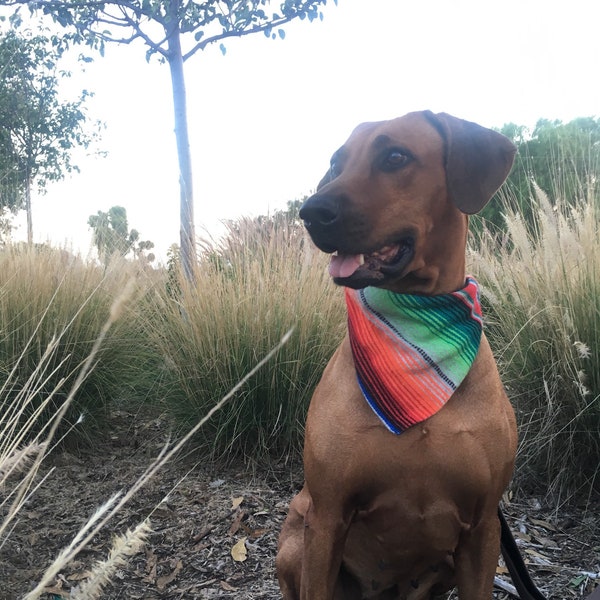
[[265, 118]]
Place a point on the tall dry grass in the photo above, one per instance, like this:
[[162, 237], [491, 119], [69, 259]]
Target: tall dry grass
[[261, 280], [51, 298], [541, 290]]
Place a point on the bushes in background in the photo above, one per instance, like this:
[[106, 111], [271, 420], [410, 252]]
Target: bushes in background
[[261, 280], [48, 297]]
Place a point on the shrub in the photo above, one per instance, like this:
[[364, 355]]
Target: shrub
[[541, 292], [48, 297], [249, 290]]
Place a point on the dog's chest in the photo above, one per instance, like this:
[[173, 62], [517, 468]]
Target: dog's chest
[[410, 551]]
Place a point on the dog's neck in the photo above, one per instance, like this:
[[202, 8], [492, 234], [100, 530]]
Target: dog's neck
[[439, 266], [430, 280]]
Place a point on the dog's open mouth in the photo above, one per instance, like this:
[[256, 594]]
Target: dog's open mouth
[[360, 270]]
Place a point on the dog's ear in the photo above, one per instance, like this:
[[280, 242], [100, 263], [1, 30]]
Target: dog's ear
[[478, 160]]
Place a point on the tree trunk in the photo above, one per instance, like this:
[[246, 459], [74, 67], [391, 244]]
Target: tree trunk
[[187, 235], [28, 211]]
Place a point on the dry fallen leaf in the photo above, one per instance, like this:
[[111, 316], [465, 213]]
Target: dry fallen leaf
[[203, 533], [79, 576], [228, 587], [56, 591], [538, 556], [255, 533], [162, 582], [239, 552], [237, 522], [547, 543], [236, 502], [151, 566], [545, 524]]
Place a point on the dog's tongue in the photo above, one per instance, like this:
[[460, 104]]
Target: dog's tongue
[[344, 265]]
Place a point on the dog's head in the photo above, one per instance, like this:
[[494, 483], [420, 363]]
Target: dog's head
[[392, 207]]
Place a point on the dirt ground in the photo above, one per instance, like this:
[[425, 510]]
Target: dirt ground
[[190, 554]]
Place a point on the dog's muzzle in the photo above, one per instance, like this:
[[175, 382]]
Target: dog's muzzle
[[341, 234]]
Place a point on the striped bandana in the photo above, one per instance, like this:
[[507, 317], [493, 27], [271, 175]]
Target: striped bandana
[[412, 352]]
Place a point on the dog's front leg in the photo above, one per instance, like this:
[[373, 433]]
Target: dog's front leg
[[325, 532], [476, 560]]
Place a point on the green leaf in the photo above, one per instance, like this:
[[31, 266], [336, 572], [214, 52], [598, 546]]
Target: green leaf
[[281, 33], [223, 49]]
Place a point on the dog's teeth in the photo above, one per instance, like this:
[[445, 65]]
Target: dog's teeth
[[336, 253], [361, 259]]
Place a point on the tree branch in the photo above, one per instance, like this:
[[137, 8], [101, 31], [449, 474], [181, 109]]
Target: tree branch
[[201, 45], [156, 46], [103, 17]]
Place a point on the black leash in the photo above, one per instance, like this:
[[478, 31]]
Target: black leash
[[515, 564]]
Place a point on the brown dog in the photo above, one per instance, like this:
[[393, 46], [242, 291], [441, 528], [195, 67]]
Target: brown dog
[[408, 516]]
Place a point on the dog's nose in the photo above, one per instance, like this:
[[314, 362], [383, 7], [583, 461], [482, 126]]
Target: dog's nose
[[319, 211]]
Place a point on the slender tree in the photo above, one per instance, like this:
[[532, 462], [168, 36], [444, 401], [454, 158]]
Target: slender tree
[[38, 130], [175, 30], [11, 178]]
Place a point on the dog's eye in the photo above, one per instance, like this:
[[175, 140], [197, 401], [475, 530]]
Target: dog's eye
[[334, 168], [336, 163], [394, 159]]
